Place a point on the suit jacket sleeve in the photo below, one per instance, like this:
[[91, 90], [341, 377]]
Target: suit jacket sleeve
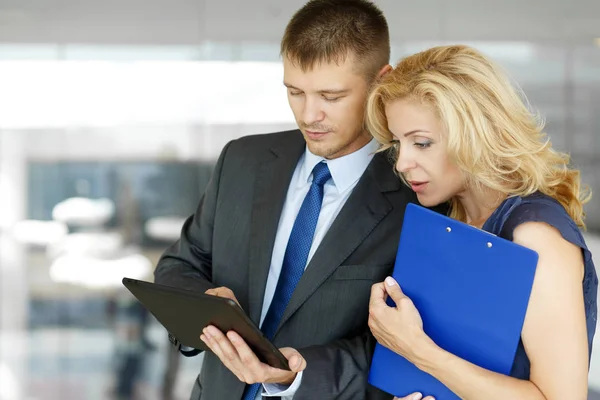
[[187, 263], [339, 370]]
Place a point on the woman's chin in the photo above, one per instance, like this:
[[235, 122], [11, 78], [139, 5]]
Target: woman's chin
[[427, 201]]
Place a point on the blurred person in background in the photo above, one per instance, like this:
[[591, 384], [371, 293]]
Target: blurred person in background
[[461, 134], [129, 320], [317, 198]]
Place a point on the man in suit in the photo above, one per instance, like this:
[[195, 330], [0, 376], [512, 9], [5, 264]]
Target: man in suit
[[297, 226]]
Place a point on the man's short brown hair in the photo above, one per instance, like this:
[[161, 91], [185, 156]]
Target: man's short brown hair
[[326, 31]]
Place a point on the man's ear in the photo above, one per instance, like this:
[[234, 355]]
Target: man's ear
[[384, 71]]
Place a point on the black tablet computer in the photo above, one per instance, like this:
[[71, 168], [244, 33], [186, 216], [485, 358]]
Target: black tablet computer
[[185, 313]]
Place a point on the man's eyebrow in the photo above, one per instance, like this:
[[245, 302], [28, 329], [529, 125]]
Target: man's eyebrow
[[323, 91], [334, 91]]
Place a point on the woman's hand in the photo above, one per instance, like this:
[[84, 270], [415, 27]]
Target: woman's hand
[[399, 328], [415, 396]]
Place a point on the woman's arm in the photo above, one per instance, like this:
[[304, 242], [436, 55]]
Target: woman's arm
[[554, 332]]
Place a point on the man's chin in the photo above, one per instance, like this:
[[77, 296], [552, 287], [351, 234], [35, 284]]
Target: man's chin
[[321, 149]]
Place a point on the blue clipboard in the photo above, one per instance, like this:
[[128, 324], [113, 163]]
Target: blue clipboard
[[472, 290]]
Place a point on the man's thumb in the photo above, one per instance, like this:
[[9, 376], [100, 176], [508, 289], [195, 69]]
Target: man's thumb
[[296, 362]]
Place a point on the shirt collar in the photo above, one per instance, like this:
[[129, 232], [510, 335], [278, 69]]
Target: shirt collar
[[346, 170]]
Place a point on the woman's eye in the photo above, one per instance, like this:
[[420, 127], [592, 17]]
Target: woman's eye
[[423, 145]]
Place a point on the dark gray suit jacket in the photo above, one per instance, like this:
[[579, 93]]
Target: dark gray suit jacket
[[229, 241]]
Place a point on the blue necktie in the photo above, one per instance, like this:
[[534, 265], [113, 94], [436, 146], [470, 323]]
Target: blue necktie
[[295, 258]]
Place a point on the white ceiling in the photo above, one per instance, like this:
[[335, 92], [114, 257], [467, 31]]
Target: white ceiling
[[194, 21]]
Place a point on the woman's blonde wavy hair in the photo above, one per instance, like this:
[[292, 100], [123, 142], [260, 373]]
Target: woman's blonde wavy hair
[[492, 136]]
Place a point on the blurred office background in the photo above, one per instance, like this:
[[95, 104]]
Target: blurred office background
[[112, 115]]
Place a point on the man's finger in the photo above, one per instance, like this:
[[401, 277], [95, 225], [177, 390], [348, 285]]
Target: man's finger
[[213, 291], [213, 345], [207, 342], [247, 357], [223, 292], [227, 349]]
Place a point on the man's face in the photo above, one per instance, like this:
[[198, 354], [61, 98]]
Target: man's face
[[328, 103]]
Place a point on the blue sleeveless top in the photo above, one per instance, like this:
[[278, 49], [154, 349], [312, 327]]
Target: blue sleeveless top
[[542, 208]]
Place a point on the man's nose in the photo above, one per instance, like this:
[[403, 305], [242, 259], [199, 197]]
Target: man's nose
[[312, 112]]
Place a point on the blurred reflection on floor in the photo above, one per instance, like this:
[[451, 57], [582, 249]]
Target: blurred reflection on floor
[[73, 348], [77, 364]]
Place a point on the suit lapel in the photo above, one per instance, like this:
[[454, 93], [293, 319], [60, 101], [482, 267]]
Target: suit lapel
[[365, 208], [270, 190]]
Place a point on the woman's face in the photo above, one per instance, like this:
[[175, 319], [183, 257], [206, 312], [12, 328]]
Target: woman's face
[[422, 152]]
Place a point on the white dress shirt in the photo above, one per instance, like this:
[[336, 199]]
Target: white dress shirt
[[345, 174]]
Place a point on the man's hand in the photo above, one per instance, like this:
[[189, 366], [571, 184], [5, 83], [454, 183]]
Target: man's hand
[[237, 356], [223, 292]]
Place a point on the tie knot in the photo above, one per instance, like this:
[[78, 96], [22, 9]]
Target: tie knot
[[321, 174]]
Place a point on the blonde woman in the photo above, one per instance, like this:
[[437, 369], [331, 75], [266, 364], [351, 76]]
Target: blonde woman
[[461, 133]]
